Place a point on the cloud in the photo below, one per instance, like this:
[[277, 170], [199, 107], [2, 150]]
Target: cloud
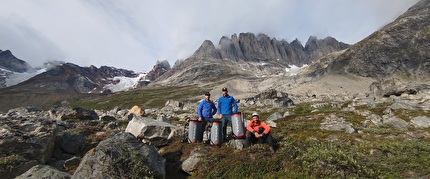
[[135, 34]]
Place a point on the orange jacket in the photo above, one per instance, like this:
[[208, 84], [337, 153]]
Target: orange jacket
[[253, 127]]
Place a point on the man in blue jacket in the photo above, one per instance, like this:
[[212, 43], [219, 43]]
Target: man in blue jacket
[[206, 110], [226, 106]]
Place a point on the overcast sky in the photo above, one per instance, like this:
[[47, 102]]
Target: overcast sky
[[134, 34]]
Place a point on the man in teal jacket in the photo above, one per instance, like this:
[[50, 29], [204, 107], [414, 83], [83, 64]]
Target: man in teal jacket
[[226, 106]]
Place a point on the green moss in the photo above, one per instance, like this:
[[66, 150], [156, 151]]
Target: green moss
[[130, 164], [408, 115], [9, 162]]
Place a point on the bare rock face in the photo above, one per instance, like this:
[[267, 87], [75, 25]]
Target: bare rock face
[[159, 69], [25, 143], [207, 50], [247, 55], [9, 62], [122, 156], [400, 48]]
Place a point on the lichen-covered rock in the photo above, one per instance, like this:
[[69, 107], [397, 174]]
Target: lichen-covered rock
[[121, 156]]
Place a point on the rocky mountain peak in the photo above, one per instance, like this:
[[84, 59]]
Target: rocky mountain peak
[[159, 69], [207, 50], [9, 62], [243, 54]]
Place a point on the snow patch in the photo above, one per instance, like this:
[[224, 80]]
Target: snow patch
[[294, 70], [125, 83], [16, 78]]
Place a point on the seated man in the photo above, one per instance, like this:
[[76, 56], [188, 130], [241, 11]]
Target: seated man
[[258, 131]]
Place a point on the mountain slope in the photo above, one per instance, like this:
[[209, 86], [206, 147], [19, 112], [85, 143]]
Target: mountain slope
[[401, 48], [62, 82]]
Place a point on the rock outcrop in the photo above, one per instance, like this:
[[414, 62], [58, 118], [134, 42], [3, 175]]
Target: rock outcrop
[[25, 143], [159, 69], [121, 156]]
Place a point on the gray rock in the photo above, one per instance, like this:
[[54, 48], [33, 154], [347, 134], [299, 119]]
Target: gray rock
[[334, 123], [395, 122], [237, 143], [121, 156], [421, 122], [376, 119], [275, 116], [151, 131], [65, 113], [44, 171], [27, 112], [31, 140], [72, 163], [70, 143], [404, 105], [191, 163]]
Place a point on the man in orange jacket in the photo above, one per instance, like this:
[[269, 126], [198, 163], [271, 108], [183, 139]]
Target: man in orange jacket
[[258, 131]]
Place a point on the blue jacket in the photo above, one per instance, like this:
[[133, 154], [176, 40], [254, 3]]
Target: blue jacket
[[225, 105], [206, 109]]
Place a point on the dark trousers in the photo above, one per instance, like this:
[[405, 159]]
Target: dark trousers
[[226, 118], [205, 121], [251, 139]]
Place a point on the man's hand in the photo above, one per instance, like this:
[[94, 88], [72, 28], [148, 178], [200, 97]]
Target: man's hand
[[257, 135], [200, 119], [220, 116]]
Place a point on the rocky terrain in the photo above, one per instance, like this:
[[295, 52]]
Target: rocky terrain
[[359, 111]]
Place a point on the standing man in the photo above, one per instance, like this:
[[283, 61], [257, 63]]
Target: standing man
[[226, 106], [206, 110], [258, 131]]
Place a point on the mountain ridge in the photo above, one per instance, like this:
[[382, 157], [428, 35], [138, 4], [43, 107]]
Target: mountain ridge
[[247, 55]]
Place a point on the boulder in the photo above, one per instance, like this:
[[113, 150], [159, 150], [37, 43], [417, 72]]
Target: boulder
[[136, 110], [72, 163], [334, 123], [26, 143], [27, 112], [70, 143], [154, 132], [421, 122], [65, 113], [44, 171], [395, 122], [121, 156], [191, 163]]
